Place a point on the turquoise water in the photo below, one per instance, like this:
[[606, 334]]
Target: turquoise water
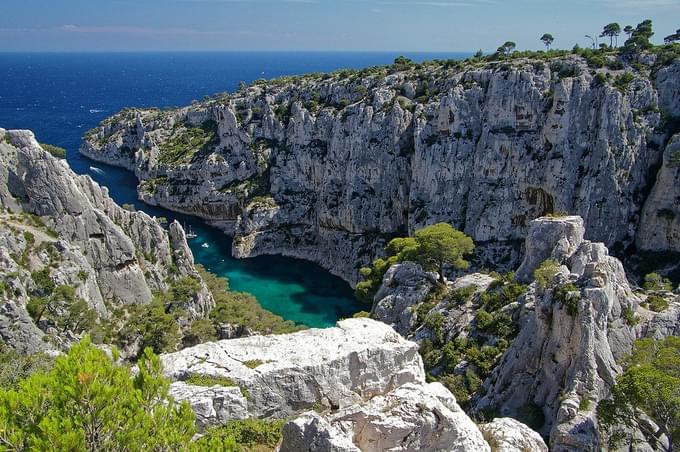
[[60, 96]]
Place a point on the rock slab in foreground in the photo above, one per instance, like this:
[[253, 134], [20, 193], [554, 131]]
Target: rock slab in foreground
[[412, 417], [286, 374]]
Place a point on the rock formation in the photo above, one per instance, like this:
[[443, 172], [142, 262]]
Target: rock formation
[[329, 167], [67, 227], [573, 332], [364, 382]]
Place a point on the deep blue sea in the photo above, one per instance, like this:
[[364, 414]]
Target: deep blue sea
[[61, 95]]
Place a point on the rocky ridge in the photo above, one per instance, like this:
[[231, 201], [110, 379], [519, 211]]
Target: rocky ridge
[[62, 231], [329, 167], [358, 386]]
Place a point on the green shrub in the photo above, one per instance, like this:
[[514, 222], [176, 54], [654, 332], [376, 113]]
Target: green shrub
[[568, 295], [361, 315], [657, 303], [246, 435], [629, 316], [88, 402], [43, 281], [654, 281], [54, 150], [209, 380], [182, 146], [545, 273], [623, 80]]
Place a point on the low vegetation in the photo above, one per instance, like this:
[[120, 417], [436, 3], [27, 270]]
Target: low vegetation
[[648, 388], [187, 141], [56, 151], [487, 339]]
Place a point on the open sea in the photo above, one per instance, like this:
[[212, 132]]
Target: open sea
[[62, 95]]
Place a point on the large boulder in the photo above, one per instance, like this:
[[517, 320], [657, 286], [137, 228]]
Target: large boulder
[[549, 238], [284, 375], [505, 434], [412, 417], [403, 287]]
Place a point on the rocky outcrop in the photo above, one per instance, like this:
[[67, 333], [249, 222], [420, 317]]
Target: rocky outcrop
[[67, 227], [404, 286], [364, 382], [329, 167], [412, 417], [573, 333], [283, 375], [564, 359], [550, 238], [505, 434]]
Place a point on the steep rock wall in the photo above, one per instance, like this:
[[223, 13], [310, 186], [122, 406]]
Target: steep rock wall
[[328, 167]]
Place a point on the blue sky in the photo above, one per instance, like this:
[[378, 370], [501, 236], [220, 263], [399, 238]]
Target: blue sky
[[409, 25]]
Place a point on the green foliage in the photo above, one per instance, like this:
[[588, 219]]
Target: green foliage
[[612, 30], [43, 281], [547, 39], [201, 330], [242, 436], [439, 245], [623, 80], [87, 402], [181, 147], [654, 281], [15, 367], [629, 317], [650, 386], [545, 273], [568, 295], [152, 325], [209, 380], [253, 363], [361, 315], [639, 37], [54, 150], [506, 48], [657, 303]]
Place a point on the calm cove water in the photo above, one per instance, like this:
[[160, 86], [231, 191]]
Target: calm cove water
[[61, 96]]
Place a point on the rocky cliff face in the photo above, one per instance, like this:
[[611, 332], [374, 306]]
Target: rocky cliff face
[[358, 386], [60, 230], [327, 167], [573, 330]]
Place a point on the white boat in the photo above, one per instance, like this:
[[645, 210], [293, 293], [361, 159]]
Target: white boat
[[205, 245], [190, 234], [96, 170]]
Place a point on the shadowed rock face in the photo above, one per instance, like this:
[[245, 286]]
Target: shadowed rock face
[[110, 255], [329, 168], [364, 381]]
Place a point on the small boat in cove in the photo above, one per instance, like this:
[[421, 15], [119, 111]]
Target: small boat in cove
[[205, 245], [96, 170], [190, 234]]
